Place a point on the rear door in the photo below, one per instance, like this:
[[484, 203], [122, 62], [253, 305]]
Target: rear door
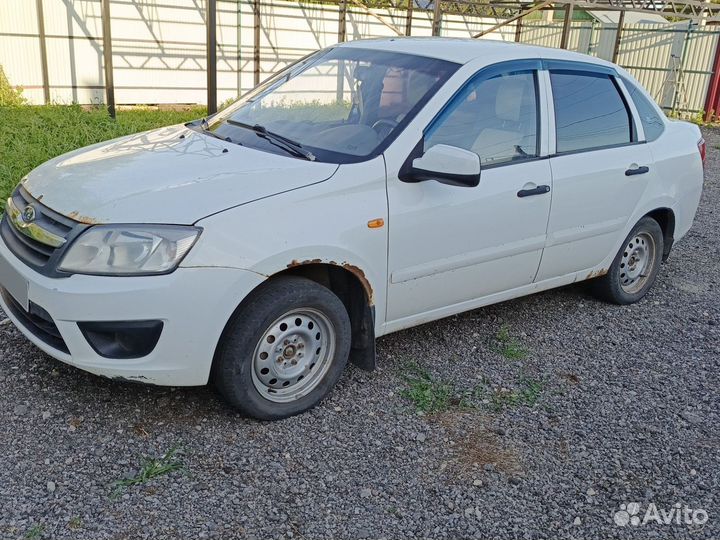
[[601, 167]]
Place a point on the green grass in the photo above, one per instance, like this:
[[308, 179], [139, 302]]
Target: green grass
[[431, 395], [527, 394], [303, 111], [508, 346], [8, 94], [35, 532], [427, 394], [30, 136], [150, 468], [393, 510]]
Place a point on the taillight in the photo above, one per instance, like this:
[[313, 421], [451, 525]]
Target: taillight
[[702, 148]]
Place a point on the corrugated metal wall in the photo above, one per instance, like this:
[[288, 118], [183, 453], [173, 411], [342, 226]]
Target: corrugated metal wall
[[646, 51], [159, 46]]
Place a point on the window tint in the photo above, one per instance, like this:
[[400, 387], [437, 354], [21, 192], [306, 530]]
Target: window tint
[[496, 118], [653, 125], [589, 111]]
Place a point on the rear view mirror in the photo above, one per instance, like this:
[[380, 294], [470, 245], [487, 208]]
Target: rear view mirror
[[448, 165]]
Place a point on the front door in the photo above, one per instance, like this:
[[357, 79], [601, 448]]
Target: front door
[[449, 245]]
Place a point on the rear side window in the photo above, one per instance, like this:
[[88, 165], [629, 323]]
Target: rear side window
[[653, 125], [497, 118], [589, 111]]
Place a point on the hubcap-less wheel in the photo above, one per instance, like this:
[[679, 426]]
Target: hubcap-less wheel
[[637, 262], [293, 355]]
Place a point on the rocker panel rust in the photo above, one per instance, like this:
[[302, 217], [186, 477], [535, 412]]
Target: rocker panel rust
[[597, 273]]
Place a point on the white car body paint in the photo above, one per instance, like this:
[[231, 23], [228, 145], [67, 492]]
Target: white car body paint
[[443, 250], [159, 177]]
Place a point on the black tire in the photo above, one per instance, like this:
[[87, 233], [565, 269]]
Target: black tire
[[233, 368], [610, 286]]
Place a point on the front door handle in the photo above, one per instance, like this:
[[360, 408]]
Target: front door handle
[[637, 170], [540, 190]]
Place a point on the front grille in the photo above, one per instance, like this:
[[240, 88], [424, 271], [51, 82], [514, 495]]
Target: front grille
[[37, 321], [34, 253]]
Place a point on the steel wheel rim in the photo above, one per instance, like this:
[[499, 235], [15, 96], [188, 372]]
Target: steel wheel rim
[[293, 355], [637, 262]]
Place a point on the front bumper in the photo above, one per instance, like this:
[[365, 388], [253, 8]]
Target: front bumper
[[194, 304]]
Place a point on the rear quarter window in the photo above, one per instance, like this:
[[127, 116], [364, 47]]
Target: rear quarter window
[[652, 123]]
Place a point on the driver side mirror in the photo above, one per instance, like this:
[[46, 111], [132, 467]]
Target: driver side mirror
[[447, 165]]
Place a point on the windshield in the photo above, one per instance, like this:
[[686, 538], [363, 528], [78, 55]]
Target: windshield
[[339, 105]]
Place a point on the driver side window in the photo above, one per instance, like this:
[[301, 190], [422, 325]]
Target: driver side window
[[497, 118]]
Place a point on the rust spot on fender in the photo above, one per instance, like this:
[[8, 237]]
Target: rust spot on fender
[[295, 262], [356, 271], [597, 273]]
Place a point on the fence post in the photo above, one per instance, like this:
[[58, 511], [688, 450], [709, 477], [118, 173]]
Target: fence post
[[682, 106], [409, 17], [43, 51], [437, 18], [618, 37], [566, 26], [107, 54], [342, 21], [256, 41], [518, 26], [711, 101], [211, 52]]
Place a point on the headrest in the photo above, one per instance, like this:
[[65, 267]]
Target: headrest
[[510, 97], [361, 73], [369, 73]]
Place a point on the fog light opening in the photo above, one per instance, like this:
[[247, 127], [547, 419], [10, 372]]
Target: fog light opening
[[122, 340]]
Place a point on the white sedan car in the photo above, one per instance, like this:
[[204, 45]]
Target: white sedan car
[[369, 187]]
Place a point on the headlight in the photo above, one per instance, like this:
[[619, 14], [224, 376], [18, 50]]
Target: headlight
[[129, 249]]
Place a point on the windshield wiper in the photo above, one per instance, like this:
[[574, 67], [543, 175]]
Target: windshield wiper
[[204, 126], [286, 144]]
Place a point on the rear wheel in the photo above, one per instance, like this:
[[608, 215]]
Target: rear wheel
[[635, 266], [284, 349]]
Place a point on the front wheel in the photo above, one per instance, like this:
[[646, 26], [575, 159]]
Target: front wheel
[[635, 266], [284, 349]]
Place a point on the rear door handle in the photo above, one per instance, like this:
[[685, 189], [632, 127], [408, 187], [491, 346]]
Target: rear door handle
[[540, 190], [637, 170]]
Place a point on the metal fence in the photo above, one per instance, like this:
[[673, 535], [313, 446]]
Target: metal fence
[[653, 53], [58, 50]]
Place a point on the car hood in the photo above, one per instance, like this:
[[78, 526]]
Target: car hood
[[170, 175]]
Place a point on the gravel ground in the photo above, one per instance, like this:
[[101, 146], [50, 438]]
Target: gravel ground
[[610, 405]]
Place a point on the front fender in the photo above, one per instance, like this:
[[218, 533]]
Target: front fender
[[327, 223], [333, 256]]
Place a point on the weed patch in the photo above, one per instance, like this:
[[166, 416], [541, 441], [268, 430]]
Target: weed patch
[[527, 394], [427, 394], [509, 346], [151, 468]]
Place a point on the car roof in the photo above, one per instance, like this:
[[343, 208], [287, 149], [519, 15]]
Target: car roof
[[464, 50]]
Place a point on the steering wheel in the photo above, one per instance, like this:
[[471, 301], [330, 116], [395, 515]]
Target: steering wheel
[[384, 124]]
